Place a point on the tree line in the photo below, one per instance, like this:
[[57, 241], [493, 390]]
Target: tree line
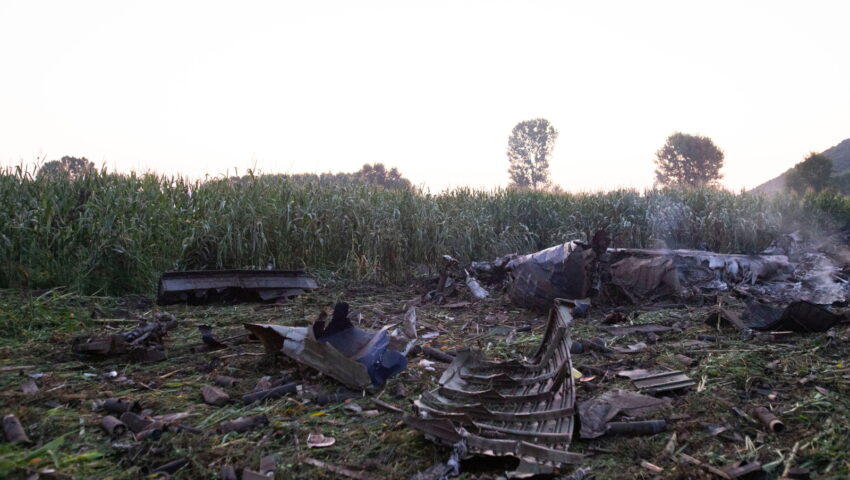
[[684, 160]]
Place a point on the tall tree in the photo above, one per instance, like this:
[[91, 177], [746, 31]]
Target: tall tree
[[529, 147], [690, 160], [378, 174], [71, 167], [814, 173]]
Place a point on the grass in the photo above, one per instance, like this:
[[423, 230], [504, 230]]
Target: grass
[[731, 373], [109, 234]]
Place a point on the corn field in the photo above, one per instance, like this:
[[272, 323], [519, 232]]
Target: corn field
[[104, 233]]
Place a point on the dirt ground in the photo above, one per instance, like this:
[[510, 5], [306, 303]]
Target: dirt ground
[[805, 380]]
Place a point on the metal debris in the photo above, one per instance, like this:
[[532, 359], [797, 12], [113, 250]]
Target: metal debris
[[209, 340], [112, 426], [317, 440], [562, 271], [511, 408], [144, 343], [596, 413], [29, 387], [243, 424], [632, 329], [214, 396], [355, 357], [275, 392], [798, 316], [13, 430], [645, 427], [206, 286], [769, 420], [663, 382]]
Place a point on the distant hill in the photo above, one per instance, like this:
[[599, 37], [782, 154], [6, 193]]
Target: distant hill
[[839, 154]]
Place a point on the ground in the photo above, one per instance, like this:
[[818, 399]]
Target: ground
[[806, 380]]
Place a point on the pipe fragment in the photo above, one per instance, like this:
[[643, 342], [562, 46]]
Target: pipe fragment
[[438, 355], [770, 420], [243, 424], [113, 427], [644, 427], [275, 392]]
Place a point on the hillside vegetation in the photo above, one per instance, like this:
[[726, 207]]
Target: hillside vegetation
[[840, 156], [111, 234]]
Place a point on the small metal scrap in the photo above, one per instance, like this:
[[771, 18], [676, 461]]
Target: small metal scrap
[[13, 430], [663, 382]]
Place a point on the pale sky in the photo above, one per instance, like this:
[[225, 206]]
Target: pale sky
[[434, 88]]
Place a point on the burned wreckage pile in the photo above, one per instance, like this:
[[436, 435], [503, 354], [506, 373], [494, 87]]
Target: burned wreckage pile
[[527, 410]]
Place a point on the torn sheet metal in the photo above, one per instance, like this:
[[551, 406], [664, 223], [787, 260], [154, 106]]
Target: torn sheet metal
[[353, 356], [562, 271], [512, 408], [206, 286], [639, 275], [799, 316]]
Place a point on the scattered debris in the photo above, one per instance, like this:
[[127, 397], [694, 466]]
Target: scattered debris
[[274, 392], [475, 288], [663, 382], [651, 467], [243, 424], [646, 427], [686, 360], [144, 343], [740, 469], [632, 329], [769, 420], [597, 412], [225, 381], [29, 387], [121, 405], [438, 355], [207, 337], [171, 467], [799, 316], [206, 286], [633, 348], [214, 396], [13, 430], [317, 440], [693, 461], [113, 427], [268, 465], [353, 356], [336, 469]]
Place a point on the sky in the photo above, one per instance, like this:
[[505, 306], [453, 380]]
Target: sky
[[434, 88]]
